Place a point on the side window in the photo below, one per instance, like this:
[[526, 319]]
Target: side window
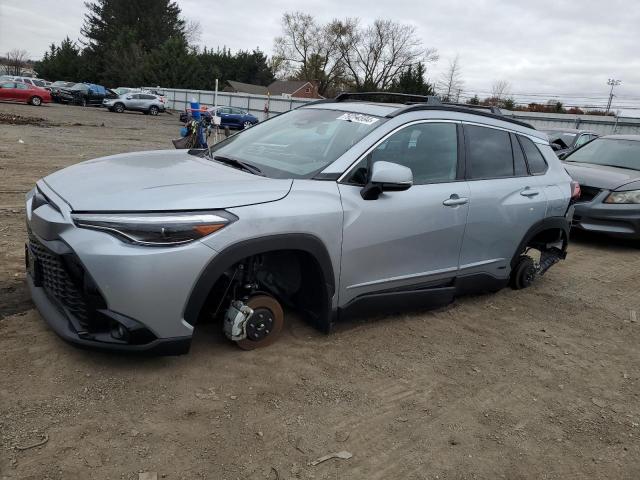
[[21, 86], [519, 163], [535, 159], [584, 138], [8, 85], [489, 153], [430, 150], [147, 97]]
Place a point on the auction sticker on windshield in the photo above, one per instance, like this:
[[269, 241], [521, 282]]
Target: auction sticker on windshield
[[358, 118]]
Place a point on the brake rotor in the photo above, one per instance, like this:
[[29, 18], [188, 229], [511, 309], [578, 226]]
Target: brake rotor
[[265, 324]]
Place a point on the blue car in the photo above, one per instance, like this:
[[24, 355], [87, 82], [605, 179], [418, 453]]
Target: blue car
[[231, 117]]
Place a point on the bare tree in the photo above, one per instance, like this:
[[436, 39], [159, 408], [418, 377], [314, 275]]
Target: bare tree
[[376, 55], [451, 82], [192, 31], [308, 51], [16, 61], [500, 89]]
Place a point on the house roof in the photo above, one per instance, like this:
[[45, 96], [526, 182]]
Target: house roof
[[247, 88], [286, 86]]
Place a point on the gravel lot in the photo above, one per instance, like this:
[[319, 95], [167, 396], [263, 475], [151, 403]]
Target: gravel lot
[[542, 383]]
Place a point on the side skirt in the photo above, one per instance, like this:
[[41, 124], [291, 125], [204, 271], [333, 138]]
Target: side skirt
[[419, 297]]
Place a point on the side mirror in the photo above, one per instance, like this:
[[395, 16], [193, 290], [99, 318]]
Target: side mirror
[[129, 97], [387, 177], [556, 147]]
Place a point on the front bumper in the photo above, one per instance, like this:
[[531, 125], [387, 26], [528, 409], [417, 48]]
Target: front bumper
[[88, 285], [61, 322], [621, 221]]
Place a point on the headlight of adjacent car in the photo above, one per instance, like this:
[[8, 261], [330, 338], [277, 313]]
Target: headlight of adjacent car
[[156, 229], [632, 196]]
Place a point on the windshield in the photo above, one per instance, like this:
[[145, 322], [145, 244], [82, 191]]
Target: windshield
[[298, 144], [564, 139], [609, 151]]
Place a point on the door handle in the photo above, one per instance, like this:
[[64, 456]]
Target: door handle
[[454, 200], [529, 192]]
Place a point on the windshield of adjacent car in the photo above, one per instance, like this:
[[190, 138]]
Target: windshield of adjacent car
[[564, 139], [298, 144], [612, 152]]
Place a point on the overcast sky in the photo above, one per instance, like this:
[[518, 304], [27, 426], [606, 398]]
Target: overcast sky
[[564, 47]]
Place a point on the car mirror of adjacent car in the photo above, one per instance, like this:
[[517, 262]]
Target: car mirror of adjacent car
[[387, 177], [129, 97], [556, 147]]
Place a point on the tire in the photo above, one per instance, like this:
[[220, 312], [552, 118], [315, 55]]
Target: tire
[[35, 101], [118, 108], [246, 125], [524, 273], [265, 325], [153, 110]]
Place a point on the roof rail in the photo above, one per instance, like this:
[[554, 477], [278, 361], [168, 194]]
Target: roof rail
[[406, 98], [490, 108], [458, 108]]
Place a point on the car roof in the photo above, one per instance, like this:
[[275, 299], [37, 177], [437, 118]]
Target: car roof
[[635, 138]]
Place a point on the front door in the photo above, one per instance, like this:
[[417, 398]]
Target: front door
[[410, 238]]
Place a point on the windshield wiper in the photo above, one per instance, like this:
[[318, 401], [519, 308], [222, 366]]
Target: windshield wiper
[[234, 162]]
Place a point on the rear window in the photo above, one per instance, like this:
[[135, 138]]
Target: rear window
[[489, 152], [535, 159]]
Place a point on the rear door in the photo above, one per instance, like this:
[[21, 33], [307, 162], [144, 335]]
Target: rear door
[[410, 238], [23, 92], [505, 201]]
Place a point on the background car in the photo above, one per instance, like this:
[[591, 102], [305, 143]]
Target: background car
[[84, 94], [231, 117], [608, 170], [55, 88], [13, 91], [140, 102], [565, 141], [36, 82]]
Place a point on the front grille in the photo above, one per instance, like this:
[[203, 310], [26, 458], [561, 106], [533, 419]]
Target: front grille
[[63, 278], [588, 193]]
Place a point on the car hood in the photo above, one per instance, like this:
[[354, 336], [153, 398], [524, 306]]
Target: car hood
[[161, 180], [601, 176]]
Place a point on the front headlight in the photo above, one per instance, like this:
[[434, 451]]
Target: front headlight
[[632, 196], [156, 229]]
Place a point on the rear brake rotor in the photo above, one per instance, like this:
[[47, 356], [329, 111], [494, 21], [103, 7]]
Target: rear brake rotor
[[265, 324]]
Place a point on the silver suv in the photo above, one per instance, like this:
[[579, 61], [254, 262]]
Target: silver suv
[[342, 207], [146, 103]]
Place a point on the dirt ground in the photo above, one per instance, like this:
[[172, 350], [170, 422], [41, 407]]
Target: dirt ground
[[542, 383]]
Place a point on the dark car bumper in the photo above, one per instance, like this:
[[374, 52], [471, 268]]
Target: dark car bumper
[[62, 323], [616, 220]]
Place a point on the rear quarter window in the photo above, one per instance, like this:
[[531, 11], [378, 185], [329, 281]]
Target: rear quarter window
[[535, 159]]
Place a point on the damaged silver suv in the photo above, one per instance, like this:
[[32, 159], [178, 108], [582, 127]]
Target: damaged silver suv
[[342, 207]]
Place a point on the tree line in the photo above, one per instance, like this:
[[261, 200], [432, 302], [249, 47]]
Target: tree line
[[147, 42]]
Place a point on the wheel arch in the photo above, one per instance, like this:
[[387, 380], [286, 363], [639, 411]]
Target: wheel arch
[[548, 229], [306, 243]]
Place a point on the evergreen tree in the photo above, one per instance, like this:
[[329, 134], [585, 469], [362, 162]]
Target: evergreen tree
[[412, 81], [145, 24], [61, 63]]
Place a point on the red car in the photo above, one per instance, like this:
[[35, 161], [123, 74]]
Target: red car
[[23, 92]]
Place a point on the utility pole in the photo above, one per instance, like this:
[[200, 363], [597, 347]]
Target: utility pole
[[614, 83]]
